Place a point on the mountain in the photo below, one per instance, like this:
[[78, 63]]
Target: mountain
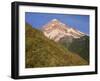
[[69, 37], [57, 30], [40, 51]]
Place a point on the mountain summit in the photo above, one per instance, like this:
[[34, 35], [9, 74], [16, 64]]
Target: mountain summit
[[56, 30]]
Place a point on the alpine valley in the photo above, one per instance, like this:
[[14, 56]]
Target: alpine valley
[[56, 44]]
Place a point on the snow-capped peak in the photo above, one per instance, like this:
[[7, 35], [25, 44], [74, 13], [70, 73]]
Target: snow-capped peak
[[56, 30], [54, 20]]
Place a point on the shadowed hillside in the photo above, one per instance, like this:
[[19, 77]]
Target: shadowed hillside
[[79, 46]]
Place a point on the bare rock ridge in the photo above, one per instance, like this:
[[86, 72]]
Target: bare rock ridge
[[57, 30]]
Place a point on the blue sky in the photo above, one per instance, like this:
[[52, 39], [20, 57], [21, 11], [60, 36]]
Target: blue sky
[[37, 20]]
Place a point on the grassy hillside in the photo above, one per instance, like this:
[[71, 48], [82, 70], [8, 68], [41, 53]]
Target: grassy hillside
[[42, 52]]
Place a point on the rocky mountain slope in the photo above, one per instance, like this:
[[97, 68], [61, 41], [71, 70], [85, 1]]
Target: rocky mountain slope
[[57, 30]]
